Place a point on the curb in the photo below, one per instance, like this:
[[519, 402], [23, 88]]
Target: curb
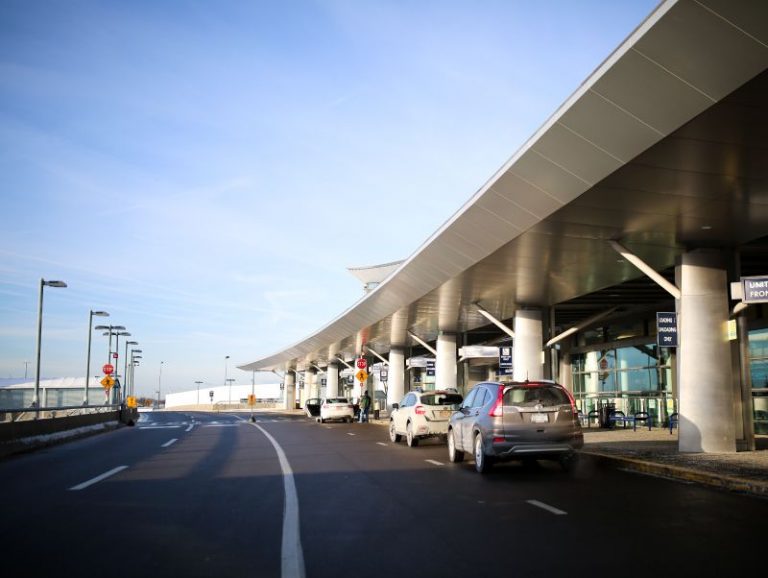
[[31, 444], [729, 483]]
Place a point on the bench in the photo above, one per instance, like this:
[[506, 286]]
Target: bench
[[620, 417], [594, 414], [673, 421]]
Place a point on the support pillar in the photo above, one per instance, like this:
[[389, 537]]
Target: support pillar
[[332, 388], [289, 382], [445, 365], [526, 351], [704, 355], [301, 377], [396, 383], [311, 383]]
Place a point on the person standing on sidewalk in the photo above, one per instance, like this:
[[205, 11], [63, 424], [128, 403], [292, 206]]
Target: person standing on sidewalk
[[365, 405]]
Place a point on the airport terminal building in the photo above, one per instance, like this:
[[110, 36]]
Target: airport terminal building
[[622, 250]]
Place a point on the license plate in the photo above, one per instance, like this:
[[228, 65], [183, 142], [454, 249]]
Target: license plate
[[539, 418], [445, 413]]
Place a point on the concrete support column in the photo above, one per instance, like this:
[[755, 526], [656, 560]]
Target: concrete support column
[[445, 364], [290, 390], [303, 391], [704, 355], [396, 383], [526, 351], [311, 383], [332, 389]]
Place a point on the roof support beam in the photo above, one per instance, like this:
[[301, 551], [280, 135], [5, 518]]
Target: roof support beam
[[317, 367], [493, 320], [649, 271], [580, 326], [338, 357], [424, 344], [382, 358]]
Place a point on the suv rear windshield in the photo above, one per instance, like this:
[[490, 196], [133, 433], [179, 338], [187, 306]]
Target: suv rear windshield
[[337, 400], [441, 399], [527, 396]]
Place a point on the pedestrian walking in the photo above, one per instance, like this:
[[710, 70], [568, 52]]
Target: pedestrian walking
[[365, 405]]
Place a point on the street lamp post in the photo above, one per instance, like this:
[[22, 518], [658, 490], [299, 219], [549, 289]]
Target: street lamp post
[[91, 315], [43, 283], [134, 357], [116, 395], [125, 370], [159, 384], [198, 383], [110, 330], [229, 381], [225, 379]]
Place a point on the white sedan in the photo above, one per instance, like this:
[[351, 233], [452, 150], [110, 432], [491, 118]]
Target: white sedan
[[336, 408], [423, 414]]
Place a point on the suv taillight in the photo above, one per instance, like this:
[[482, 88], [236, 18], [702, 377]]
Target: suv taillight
[[572, 400], [419, 410], [496, 409]]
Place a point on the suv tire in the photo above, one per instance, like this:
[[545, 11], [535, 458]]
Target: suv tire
[[393, 435], [412, 440], [483, 462], [454, 456]]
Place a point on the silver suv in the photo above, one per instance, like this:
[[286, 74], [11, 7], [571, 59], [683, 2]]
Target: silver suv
[[501, 421]]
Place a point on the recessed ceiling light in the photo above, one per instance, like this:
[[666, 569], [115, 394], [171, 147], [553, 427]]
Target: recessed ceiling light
[[706, 227]]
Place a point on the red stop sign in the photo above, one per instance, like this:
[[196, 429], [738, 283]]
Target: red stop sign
[[107, 369], [361, 363]]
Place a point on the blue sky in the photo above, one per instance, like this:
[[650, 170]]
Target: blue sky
[[205, 171]]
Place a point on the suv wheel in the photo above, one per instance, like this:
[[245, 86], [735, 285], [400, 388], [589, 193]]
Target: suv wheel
[[482, 462], [412, 440], [568, 461], [454, 456], [393, 435]]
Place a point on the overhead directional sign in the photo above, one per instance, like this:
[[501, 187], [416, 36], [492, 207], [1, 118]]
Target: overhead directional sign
[[362, 376], [666, 329], [755, 289], [505, 361]]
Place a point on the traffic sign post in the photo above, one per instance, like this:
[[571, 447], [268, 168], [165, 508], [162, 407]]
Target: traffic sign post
[[666, 329], [108, 368], [361, 363]]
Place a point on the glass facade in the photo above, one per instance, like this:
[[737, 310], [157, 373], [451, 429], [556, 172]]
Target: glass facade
[[634, 378], [758, 367]]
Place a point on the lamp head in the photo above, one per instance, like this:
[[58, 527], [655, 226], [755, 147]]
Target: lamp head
[[99, 313], [54, 283]]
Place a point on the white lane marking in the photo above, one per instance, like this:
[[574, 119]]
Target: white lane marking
[[159, 426], [349, 433], [435, 462], [97, 479], [292, 556], [223, 425], [170, 442], [381, 444], [328, 427], [190, 427], [547, 507]]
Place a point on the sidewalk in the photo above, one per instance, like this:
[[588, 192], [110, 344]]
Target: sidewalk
[[655, 452]]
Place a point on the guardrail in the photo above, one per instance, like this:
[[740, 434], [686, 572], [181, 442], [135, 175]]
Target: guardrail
[[35, 413]]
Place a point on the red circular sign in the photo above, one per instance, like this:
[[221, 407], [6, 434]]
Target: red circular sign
[[107, 369], [361, 363]]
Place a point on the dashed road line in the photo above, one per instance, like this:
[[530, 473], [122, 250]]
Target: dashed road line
[[190, 426], [170, 442], [435, 462], [97, 479], [349, 433], [159, 426], [547, 507], [380, 444]]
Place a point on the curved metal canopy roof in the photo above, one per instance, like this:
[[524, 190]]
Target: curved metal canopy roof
[[664, 147]]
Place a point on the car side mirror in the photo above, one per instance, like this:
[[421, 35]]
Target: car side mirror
[[395, 406]]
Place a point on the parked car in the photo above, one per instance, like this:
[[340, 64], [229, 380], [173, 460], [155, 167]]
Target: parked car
[[530, 420], [422, 414], [312, 407], [336, 408]]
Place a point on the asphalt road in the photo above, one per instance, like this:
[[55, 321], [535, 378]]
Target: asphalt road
[[213, 503]]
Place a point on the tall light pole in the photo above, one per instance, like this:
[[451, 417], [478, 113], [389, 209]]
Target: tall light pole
[[198, 383], [43, 283], [159, 384], [134, 357], [91, 315], [110, 330], [225, 379], [230, 380], [125, 366]]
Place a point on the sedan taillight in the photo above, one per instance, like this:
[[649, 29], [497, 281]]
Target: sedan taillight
[[420, 410]]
